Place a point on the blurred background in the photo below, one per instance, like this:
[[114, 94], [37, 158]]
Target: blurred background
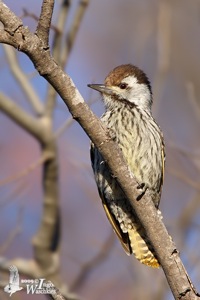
[[162, 38]]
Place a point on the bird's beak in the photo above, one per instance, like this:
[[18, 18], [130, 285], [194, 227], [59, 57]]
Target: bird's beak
[[102, 88]]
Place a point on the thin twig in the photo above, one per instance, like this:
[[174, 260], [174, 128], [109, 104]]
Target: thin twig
[[187, 152], [14, 233], [71, 36], [27, 170], [186, 217], [15, 193], [26, 13], [92, 264], [193, 99], [184, 178], [70, 121], [63, 127]]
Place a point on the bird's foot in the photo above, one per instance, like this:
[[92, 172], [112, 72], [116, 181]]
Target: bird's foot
[[143, 189]]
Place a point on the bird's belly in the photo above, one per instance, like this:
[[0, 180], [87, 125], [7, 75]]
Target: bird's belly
[[144, 161]]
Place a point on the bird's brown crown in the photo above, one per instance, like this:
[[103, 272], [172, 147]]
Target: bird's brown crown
[[116, 76]]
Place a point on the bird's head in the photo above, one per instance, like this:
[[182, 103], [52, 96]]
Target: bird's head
[[128, 84]]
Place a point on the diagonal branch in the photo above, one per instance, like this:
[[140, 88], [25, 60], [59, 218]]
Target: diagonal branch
[[44, 22], [22, 118], [73, 31], [21, 78]]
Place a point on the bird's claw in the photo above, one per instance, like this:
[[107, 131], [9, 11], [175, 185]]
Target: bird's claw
[[143, 189]]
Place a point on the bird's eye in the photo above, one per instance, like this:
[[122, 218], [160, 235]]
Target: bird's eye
[[123, 86]]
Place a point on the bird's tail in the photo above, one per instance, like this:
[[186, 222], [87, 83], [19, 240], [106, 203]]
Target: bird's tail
[[141, 246]]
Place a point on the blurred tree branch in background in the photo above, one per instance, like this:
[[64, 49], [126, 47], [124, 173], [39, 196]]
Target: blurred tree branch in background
[[163, 46]]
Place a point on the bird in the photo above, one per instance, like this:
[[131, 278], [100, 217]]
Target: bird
[[127, 97], [13, 285]]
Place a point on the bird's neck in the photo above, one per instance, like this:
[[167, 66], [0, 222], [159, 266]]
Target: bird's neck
[[123, 107], [141, 104]]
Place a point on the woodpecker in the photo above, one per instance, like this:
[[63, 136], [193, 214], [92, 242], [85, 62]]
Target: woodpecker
[[127, 96]]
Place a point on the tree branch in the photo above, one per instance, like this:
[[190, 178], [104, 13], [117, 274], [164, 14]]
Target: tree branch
[[163, 48], [165, 249], [26, 13], [10, 24], [44, 22], [46, 240], [22, 118], [73, 31], [24, 83], [61, 21], [6, 38]]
